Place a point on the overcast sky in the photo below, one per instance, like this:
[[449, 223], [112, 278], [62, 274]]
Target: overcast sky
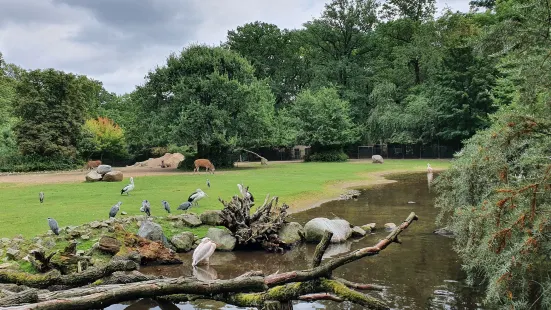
[[118, 41]]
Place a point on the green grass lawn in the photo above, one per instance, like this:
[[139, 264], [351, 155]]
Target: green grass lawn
[[73, 204]]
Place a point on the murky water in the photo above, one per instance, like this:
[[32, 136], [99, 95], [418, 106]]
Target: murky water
[[421, 273]]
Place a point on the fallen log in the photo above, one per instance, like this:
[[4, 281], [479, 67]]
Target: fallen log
[[249, 290], [72, 280]]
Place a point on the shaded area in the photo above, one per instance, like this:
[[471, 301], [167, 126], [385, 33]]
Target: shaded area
[[422, 273]]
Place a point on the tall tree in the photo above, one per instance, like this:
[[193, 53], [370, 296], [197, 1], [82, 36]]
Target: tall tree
[[210, 98], [52, 106]]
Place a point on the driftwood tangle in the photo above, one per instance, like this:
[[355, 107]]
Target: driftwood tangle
[[253, 289], [259, 228]]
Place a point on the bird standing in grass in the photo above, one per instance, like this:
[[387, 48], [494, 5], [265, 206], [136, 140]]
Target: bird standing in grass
[[41, 197], [128, 187], [114, 209], [429, 168], [53, 225], [208, 183], [246, 193], [166, 205], [146, 207], [185, 206], [196, 196]]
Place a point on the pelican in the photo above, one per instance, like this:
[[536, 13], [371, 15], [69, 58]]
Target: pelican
[[53, 225], [184, 206], [146, 207], [115, 209], [196, 196], [429, 168], [41, 197], [208, 183], [166, 205], [128, 187], [203, 251]]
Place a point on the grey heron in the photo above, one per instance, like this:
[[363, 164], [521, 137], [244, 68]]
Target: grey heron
[[166, 205], [128, 187], [246, 193], [203, 251], [146, 207], [41, 197], [115, 209], [208, 183], [185, 206], [196, 196], [53, 225]]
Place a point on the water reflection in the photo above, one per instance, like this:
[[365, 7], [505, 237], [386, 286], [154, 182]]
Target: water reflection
[[430, 177], [205, 273], [421, 273]]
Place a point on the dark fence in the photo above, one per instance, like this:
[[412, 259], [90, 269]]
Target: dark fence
[[404, 151]]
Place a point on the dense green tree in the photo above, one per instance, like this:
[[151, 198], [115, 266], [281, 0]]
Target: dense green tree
[[102, 137], [52, 106], [208, 97], [323, 120]]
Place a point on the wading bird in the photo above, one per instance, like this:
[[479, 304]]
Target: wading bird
[[114, 209], [246, 193], [166, 205], [208, 183], [203, 251], [128, 187], [41, 197], [184, 206], [196, 196], [429, 168], [146, 207], [53, 225]]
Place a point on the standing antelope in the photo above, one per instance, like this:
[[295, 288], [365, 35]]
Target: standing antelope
[[203, 163]]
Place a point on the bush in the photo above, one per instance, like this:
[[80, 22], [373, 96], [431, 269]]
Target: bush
[[187, 163], [29, 163], [327, 156]]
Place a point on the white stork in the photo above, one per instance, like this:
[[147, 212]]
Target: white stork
[[196, 196], [128, 187]]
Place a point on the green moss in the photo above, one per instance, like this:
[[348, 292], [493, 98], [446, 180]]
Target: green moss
[[26, 266], [248, 299]]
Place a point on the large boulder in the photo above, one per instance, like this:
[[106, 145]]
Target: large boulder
[[113, 176], [377, 159], [315, 229], [154, 232], [191, 220], [183, 241], [223, 238], [291, 233], [109, 245], [93, 176], [212, 218], [103, 169]]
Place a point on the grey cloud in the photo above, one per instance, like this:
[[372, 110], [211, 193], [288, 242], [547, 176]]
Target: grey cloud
[[34, 12]]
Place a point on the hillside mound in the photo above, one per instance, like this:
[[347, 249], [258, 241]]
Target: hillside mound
[[169, 159]]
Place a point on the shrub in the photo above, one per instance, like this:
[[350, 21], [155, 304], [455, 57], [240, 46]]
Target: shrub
[[187, 163], [327, 156], [29, 163]]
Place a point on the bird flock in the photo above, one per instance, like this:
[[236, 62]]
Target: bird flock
[[204, 250]]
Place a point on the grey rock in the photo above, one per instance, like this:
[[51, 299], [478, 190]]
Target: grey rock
[[95, 224], [390, 226], [154, 232], [85, 237], [191, 220], [103, 169], [377, 159], [315, 229], [358, 231], [124, 213], [5, 240], [212, 217], [369, 227], [93, 176], [13, 254], [183, 241], [291, 233], [80, 252], [109, 244], [222, 237], [444, 231]]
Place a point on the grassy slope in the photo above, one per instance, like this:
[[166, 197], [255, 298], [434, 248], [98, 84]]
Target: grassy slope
[[78, 203]]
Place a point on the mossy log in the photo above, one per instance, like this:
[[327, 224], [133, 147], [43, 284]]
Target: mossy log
[[252, 289], [72, 280]]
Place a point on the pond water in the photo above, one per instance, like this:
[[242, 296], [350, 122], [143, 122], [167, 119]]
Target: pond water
[[421, 273]]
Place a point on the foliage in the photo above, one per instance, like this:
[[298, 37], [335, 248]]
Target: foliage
[[496, 196], [327, 156], [52, 106], [101, 137], [323, 120], [29, 163]]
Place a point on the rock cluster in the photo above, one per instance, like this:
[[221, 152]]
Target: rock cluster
[[377, 159], [104, 173]]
